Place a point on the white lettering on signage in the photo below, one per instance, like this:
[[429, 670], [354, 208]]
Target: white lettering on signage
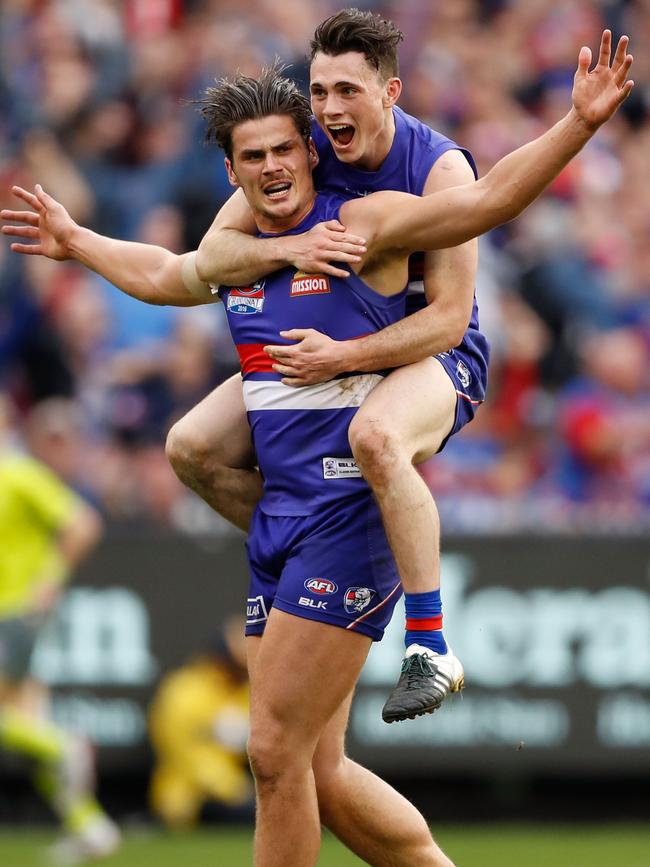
[[97, 636]]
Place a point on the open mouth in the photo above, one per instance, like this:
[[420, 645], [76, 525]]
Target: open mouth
[[277, 190], [342, 133]]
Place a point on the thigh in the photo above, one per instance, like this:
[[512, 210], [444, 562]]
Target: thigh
[[415, 405], [219, 425], [302, 673]]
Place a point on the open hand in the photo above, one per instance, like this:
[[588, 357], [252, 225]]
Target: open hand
[[314, 251], [597, 94], [48, 225], [314, 358]]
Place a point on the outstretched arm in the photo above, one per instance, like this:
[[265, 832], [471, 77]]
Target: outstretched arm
[[231, 255], [146, 272], [395, 221]]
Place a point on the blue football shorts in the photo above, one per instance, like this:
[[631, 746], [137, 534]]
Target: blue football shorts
[[467, 367], [335, 567]]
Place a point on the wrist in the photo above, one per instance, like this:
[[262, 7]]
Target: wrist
[[583, 128], [281, 252], [351, 355], [76, 245]]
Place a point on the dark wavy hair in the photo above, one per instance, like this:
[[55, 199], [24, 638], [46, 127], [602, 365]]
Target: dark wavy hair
[[353, 30], [234, 101]]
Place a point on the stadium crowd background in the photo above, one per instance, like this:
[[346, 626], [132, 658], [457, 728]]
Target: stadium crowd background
[[95, 105]]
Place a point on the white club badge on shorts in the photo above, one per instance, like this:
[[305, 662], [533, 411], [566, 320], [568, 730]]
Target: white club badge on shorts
[[357, 599], [464, 375]]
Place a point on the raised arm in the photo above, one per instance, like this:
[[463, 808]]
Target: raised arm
[[395, 221], [230, 254], [144, 271]]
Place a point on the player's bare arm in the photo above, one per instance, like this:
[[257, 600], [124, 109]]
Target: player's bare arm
[[144, 271], [231, 255], [403, 223], [449, 277]]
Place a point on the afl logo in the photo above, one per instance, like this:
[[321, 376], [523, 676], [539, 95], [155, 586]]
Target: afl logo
[[248, 300], [320, 586]]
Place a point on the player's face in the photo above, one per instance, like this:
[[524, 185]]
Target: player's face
[[272, 165], [353, 105]]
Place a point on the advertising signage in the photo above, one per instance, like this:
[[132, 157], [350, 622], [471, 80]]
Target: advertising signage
[[554, 634]]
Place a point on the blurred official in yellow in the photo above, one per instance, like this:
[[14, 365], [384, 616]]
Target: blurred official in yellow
[[45, 532], [198, 723]]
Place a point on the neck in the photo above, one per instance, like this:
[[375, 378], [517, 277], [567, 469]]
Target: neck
[[272, 225], [380, 148]]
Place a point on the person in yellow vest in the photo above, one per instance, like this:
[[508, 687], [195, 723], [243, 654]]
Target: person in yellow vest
[[198, 723], [46, 530]]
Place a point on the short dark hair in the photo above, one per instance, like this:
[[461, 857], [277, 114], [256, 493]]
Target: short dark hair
[[231, 102], [353, 30]]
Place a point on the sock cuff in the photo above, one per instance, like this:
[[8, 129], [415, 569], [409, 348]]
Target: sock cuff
[[421, 624]]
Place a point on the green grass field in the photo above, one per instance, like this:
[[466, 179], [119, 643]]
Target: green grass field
[[474, 846]]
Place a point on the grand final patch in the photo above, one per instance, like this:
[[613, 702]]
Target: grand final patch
[[249, 300], [309, 284]]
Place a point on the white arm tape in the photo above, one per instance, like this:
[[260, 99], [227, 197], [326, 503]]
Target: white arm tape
[[202, 291]]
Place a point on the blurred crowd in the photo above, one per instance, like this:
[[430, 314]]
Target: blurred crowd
[[95, 104]]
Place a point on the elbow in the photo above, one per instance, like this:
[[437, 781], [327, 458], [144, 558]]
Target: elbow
[[492, 206], [456, 331], [450, 335], [456, 335]]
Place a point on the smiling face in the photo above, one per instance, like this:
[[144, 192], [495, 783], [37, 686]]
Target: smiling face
[[273, 165], [353, 104]]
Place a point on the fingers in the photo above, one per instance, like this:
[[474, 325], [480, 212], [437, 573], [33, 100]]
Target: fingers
[[605, 48], [332, 271], [285, 370], [296, 333], [584, 62], [27, 197], [622, 71], [20, 216], [44, 198], [621, 51], [21, 231], [625, 91], [279, 352], [28, 249], [336, 226]]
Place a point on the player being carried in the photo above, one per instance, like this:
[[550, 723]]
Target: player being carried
[[324, 526]]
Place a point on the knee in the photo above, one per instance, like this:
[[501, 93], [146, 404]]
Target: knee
[[271, 757], [377, 449], [186, 450]]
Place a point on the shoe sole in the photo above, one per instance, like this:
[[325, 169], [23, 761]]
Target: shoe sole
[[457, 687]]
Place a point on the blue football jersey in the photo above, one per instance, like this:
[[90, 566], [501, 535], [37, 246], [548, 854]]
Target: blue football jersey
[[301, 434]]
